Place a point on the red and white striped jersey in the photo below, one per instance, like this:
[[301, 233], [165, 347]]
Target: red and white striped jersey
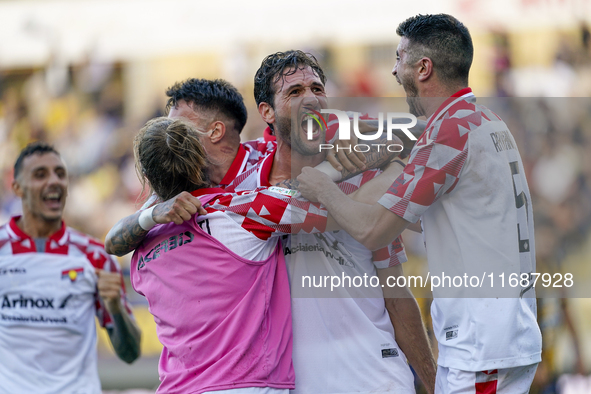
[[264, 213], [249, 154], [258, 176], [466, 180], [47, 306]]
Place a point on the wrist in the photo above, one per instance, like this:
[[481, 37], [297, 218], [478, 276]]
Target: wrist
[[146, 220], [329, 170], [114, 306]]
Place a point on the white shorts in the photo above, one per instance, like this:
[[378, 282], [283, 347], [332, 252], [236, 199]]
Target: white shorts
[[497, 381]]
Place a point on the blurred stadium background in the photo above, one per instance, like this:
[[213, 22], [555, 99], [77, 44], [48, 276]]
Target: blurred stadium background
[[86, 74]]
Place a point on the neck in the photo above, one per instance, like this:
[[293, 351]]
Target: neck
[[288, 164], [221, 161], [434, 95], [37, 227]]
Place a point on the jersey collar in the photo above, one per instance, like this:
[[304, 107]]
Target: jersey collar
[[237, 167], [265, 169], [457, 96], [208, 190], [60, 237], [268, 135]]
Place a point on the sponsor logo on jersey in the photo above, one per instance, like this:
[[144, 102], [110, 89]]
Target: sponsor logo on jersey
[[386, 353], [502, 140], [26, 302], [165, 246], [451, 335], [12, 271], [318, 248], [72, 273], [33, 319], [283, 191]]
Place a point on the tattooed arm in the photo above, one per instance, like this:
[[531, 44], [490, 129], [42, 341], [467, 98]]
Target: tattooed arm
[[127, 234]]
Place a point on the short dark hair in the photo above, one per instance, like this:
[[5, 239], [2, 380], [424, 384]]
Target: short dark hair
[[443, 39], [34, 148], [210, 95], [273, 68]]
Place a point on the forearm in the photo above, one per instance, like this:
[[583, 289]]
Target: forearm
[[412, 338], [125, 335], [125, 236], [362, 221], [372, 191]]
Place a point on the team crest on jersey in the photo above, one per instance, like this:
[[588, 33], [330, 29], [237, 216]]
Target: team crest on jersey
[[72, 273]]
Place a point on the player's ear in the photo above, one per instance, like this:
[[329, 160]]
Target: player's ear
[[218, 131], [267, 113], [424, 69], [17, 189]]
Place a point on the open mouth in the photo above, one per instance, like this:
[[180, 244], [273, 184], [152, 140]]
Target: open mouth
[[311, 125], [53, 199]]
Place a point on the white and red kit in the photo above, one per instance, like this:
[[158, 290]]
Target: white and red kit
[[343, 340], [218, 289], [465, 179], [248, 155], [48, 301]]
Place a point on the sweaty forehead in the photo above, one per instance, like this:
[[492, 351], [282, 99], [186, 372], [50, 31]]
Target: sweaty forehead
[[303, 76], [42, 160]]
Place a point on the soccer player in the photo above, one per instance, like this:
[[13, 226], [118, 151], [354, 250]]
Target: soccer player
[[358, 341], [217, 283], [49, 276], [465, 179]]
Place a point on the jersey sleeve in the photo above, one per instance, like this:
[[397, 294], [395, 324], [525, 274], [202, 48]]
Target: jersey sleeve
[[391, 255], [272, 211], [432, 171], [102, 260]]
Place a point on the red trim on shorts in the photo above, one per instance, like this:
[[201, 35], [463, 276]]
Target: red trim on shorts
[[487, 387]]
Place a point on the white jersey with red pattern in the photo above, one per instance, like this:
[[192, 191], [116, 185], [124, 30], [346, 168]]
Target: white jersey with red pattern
[[344, 340], [47, 306], [249, 154], [263, 213], [465, 179]]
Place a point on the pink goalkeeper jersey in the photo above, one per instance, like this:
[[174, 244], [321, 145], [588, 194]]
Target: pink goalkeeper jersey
[[224, 320]]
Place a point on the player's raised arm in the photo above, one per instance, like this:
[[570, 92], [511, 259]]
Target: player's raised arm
[[372, 225], [130, 231]]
